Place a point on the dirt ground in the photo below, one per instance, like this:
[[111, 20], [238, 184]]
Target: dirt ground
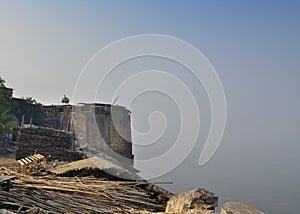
[[7, 162]]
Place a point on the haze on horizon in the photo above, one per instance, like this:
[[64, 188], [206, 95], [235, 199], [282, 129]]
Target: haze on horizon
[[253, 45]]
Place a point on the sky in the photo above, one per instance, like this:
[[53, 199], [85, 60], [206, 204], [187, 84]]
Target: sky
[[252, 45], [48, 43]]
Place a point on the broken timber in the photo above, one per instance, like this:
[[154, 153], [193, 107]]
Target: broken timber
[[31, 163], [79, 195], [5, 182]]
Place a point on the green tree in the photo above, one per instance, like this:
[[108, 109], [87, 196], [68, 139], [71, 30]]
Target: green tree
[[29, 100], [65, 99], [7, 122], [5, 95], [2, 83]]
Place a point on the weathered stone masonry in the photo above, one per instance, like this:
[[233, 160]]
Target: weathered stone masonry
[[97, 126], [101, 125]]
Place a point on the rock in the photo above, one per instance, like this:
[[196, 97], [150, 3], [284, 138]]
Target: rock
[[194, 201], [236, 207], [158, 193]]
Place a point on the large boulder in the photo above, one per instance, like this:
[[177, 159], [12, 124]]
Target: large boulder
[[194, 201], [236, 207]]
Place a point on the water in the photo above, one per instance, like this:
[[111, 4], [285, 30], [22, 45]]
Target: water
[[271, 185], [270, 190], [258, 160]]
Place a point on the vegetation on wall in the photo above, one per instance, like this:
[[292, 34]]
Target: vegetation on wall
[[29, 100], [65, 100], [7, 121]]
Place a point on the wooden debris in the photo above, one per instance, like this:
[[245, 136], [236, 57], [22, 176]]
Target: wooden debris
[[79, 195], [32, 164], [96, 166], [5, 182]]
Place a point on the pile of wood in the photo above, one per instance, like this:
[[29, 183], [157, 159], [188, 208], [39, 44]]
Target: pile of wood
[[32, 164], [79, 195], [52, 143]]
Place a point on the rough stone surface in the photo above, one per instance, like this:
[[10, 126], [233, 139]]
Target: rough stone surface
[[195, 201], [100, 126], [105, 128], [236, 207]]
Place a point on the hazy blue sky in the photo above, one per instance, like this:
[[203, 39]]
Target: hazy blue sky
[[47, 43], [253, 45]]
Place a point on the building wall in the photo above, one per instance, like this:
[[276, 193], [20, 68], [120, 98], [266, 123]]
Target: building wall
[[102, 126], [98, 126]]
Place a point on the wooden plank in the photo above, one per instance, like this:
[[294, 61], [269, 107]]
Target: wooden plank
[[28, 160], [24, 161], [21, 163], [4, 178], [31, 158]]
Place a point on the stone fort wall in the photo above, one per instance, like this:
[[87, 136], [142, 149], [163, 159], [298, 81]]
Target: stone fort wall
[[97, 126]]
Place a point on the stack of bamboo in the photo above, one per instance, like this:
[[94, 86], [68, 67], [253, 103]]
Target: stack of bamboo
[[52, 143], [79, 195]]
